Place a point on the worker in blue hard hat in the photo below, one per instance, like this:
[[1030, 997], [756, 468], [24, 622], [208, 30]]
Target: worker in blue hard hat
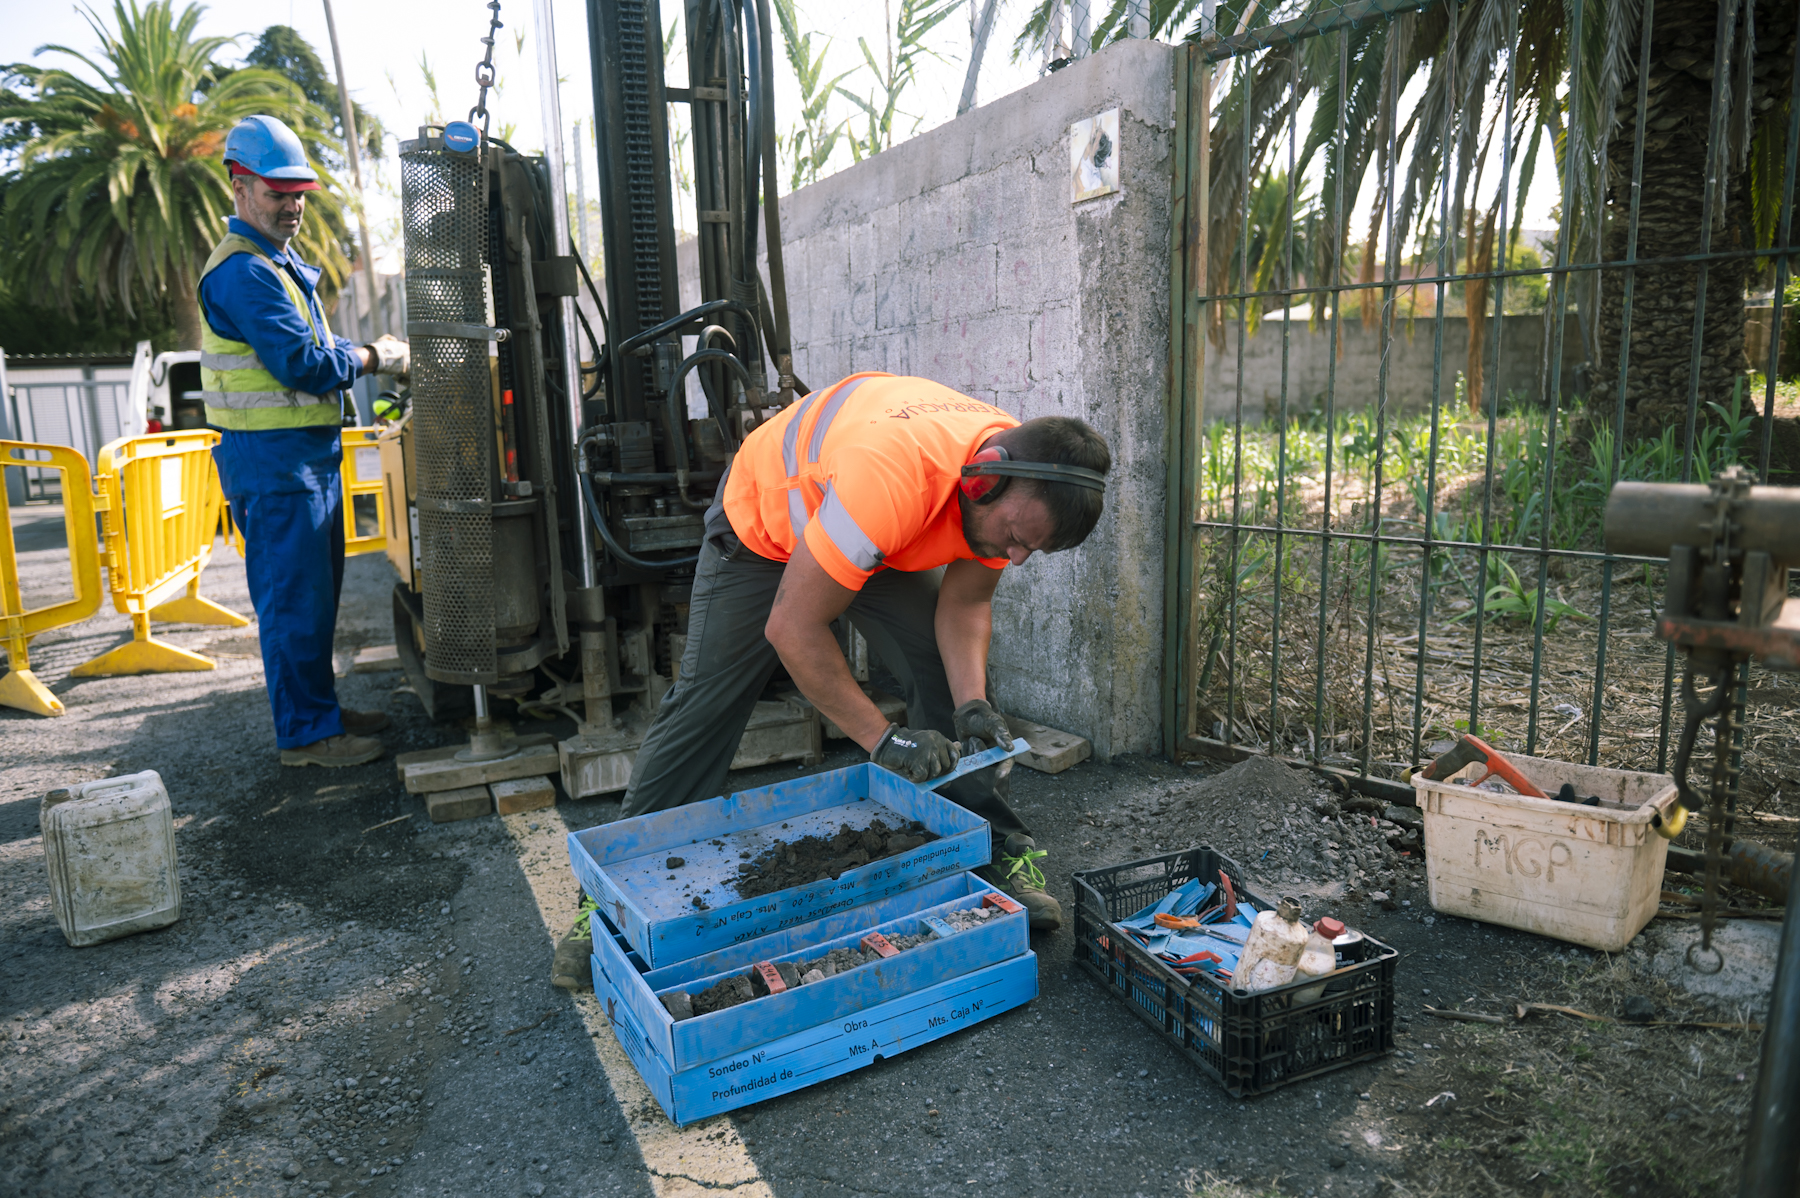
[[273, 374]]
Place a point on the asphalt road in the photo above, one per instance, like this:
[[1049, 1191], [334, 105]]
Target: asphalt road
[[357, 1001]]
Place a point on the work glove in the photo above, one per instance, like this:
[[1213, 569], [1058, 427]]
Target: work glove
[[978, 719], [389, 355], [915, 754]]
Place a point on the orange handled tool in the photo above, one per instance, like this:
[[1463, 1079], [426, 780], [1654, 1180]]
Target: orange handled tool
[[1471, 750]]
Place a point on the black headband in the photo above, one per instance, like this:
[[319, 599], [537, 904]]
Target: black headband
[[1049, 472]]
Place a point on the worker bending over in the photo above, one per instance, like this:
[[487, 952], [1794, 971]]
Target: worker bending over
[[273, 373], [895, 501]]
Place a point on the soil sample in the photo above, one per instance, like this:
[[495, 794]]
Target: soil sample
[[743, 987], [727, 992], [813, 858]]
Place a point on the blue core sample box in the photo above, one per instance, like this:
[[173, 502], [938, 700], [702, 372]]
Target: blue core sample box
[[649, 939]]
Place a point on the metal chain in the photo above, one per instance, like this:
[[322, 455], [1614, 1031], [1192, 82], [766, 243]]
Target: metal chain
[[484, 70], [1729, 492]]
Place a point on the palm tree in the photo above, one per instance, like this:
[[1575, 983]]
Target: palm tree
[[120, 193], [1528, 75]]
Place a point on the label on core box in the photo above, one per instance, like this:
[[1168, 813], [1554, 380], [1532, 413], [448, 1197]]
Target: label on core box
[[856, 1040]]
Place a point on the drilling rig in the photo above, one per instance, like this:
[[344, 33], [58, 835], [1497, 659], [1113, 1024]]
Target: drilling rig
[[548, 485]]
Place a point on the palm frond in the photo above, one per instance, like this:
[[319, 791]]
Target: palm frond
[[119, 192]]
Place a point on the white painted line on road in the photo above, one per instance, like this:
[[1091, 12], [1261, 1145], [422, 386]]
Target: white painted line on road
[[681, 1163]]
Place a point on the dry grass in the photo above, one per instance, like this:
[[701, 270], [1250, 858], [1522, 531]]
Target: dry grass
[[1421, 690], [1558, 1106]]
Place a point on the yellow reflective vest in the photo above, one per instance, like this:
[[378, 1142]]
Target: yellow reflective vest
[[239, 392]]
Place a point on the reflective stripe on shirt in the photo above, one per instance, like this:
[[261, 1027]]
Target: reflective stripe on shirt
[[825, 418], [231, 362], [851, 541]]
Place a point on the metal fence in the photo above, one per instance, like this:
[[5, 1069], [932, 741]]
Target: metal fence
[[1361, 573], [84, 415]]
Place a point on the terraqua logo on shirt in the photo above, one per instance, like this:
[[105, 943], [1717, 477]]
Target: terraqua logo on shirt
[[933, 409]]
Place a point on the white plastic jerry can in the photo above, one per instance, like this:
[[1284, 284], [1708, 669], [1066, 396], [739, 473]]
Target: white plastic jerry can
[[1272, 949], [110, 849]]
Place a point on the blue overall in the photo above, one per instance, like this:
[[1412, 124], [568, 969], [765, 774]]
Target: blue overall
[[283, 487]]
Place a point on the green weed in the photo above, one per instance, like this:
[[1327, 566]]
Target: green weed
[[1512, 598]]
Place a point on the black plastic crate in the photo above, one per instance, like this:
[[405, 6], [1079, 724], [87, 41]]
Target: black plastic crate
[[1248, 1043]]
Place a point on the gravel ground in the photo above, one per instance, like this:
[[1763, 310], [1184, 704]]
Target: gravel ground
[[347, 1007]]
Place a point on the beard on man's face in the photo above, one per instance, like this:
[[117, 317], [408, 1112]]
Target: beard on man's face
[[971, 533]]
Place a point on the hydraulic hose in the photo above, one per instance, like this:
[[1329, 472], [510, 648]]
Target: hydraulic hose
[[612, 545], [675, 322], [720, 410], [780, 339], [602, 350], [753, 129], [740, 182], [660, 478]]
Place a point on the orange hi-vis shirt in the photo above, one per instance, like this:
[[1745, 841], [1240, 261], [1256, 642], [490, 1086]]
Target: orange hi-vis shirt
[[867, 471]]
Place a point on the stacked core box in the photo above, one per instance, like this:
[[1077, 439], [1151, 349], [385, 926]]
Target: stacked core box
[[651, 939]]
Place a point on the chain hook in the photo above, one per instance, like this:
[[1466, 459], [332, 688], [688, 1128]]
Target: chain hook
[[484, 70]]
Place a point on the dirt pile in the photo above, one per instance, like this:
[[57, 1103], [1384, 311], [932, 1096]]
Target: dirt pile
[[812, 858], [1285, 824]]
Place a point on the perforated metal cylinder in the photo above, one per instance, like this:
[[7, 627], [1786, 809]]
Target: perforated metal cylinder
[[444, 215]]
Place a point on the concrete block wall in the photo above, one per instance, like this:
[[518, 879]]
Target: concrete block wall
[[1410, 364], [958, 256]]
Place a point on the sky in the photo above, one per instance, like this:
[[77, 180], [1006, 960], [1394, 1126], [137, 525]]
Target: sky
[[388, 45], [384, 45]]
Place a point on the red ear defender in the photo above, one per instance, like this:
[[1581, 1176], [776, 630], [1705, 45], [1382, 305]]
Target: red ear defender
[[985, 488]]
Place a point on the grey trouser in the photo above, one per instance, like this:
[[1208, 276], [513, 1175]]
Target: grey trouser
[[688, 750]]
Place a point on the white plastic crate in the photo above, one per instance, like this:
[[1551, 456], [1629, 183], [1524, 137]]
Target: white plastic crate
[[1588, 875]]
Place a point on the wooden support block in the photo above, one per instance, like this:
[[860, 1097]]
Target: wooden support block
[[784, 731], [1052, 752], [376, 659], [522, 794], [467, 802], [596, 765], [891, 706], [431, 770]]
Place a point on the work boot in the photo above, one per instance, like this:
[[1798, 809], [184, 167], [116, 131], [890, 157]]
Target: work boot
[[1015, 870], [570, 969], [361, 723], [335, 751]]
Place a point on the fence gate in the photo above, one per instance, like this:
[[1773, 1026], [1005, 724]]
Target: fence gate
[[1366, 559], [83, 415]]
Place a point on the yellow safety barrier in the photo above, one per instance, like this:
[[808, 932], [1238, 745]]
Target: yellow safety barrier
[[163, 511], [365, 524], [19, 687], [359, 475]]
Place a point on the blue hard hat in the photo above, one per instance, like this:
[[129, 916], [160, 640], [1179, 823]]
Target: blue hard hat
[[262, 145]]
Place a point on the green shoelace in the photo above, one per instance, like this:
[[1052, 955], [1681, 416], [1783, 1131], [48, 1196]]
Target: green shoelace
[[1025, 867], [582, 928]]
